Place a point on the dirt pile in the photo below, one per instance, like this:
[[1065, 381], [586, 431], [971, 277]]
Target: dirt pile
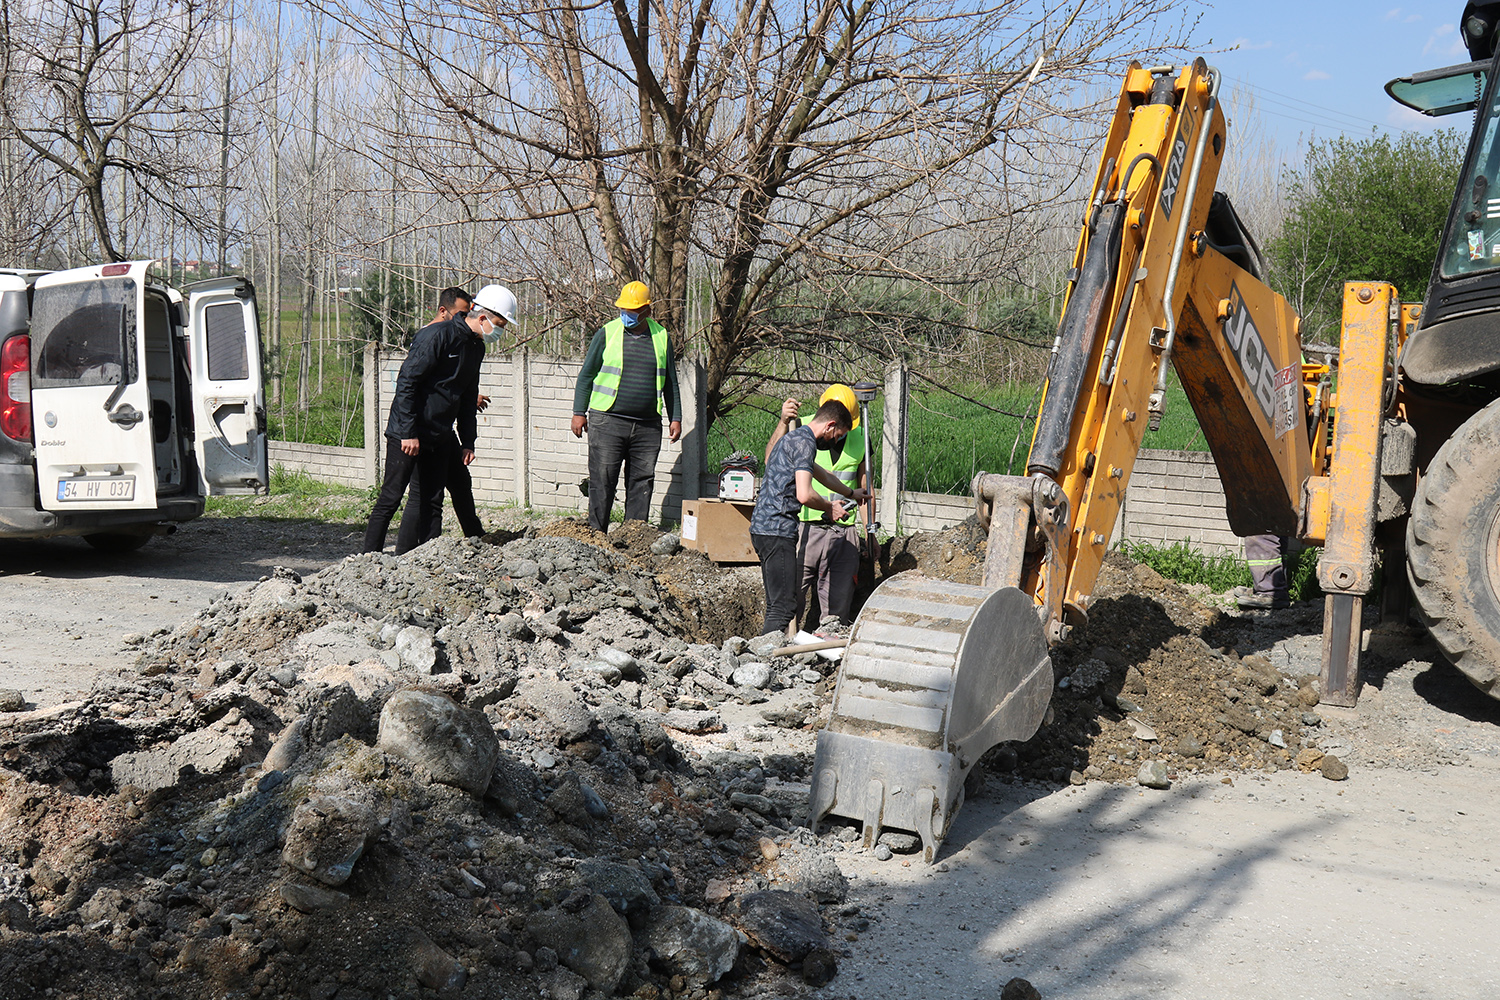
[[1155, 676], [280, 800], [537, 764]]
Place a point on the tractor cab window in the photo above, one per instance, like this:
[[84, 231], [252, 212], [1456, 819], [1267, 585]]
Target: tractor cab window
[[1473, 242]]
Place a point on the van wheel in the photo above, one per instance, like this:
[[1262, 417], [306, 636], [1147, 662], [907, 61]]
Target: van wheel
[[117, 541]]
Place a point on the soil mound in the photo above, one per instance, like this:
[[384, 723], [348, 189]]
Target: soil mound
[[282, 798]]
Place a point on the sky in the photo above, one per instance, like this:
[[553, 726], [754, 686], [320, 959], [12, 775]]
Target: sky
[[1319, 67]]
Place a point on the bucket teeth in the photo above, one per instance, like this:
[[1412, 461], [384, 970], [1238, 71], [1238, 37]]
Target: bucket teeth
[[874, 810]]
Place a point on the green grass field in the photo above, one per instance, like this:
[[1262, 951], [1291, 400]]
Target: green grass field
[[951, 438]]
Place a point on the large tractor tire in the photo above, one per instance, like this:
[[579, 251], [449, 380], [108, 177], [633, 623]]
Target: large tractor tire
[[1453, 549]]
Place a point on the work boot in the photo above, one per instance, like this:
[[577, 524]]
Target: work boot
[[1249, 600]]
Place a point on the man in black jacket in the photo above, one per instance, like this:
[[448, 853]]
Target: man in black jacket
[[453, 303], [438, 384]]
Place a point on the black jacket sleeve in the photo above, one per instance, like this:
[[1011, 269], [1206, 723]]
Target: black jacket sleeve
[[468, 400], [412, 384]]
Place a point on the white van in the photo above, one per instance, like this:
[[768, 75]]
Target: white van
[[123, 402]]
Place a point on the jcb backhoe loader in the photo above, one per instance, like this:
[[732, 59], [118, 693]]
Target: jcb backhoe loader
[[937, 673]]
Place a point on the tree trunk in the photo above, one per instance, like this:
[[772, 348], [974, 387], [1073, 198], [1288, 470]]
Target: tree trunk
[[309, 271]]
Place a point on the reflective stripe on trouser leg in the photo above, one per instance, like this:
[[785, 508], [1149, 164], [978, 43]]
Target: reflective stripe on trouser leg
[[1263, 554]]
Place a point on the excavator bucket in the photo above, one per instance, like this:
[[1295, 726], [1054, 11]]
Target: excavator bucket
[[935, 674]]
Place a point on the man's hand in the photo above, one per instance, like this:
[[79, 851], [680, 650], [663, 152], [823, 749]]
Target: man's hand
[[674, 431], [860, 495], [789, 410], [468, 455], [411, 446], [580, 424], [482, 403], [838, 511]]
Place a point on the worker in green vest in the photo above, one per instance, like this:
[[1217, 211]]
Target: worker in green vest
[[628, 381], [828, 550]]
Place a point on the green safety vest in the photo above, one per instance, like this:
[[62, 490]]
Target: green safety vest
[[607, 382], [845, 466]]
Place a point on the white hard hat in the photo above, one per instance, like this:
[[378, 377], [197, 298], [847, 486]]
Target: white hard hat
[[499, 300]]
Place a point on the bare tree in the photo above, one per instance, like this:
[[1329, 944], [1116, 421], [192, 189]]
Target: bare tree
[[771, 141], [87, 87]]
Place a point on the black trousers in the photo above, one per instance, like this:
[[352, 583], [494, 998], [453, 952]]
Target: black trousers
[[780, 573], [616, 441], [460, 486], [432, 463]]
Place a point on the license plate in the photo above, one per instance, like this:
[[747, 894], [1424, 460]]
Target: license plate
[[97, 488]]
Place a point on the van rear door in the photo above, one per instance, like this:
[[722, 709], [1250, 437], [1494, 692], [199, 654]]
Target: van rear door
[[229, 404], [90, 405]]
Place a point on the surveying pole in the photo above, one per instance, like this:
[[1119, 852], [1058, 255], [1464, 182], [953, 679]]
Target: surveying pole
[[865, 393]]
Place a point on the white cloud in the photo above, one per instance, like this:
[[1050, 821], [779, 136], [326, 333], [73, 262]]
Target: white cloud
[[1393, 13], [1412, 19], [1404, 118], [1246, 45], [1445, 41], [1316, 74]]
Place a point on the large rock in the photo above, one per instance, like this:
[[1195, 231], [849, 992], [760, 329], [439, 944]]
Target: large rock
[[17, 911], [366, 678], [818, 876], [327, 835], [453, 745], [205, 752], [628, 889], [783, 924], [310, 898], [560, 705], [334, 712], [511, 786], [568, 801], [340, 643], [691, 944], [415, 648], [434, 967], [594, 942]]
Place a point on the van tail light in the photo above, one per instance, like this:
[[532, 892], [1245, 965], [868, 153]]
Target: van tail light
[[15, 388]]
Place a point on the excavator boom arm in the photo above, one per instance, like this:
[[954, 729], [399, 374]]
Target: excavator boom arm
[[1165, 276]]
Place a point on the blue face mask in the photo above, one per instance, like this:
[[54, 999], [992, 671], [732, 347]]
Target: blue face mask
[[630, 319]]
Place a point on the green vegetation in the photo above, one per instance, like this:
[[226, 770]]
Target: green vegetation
[[1220, 572], [951, 437], [1185, 564], [298, 496], [1363, 210]]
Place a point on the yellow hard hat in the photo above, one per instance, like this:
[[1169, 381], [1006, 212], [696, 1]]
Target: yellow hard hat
[[634, 296], [845, 395]]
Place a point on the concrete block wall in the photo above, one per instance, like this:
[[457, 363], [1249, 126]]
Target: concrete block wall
[[345, 466], [1176, 496], [1173, 495], [544, 466], [925, 511]]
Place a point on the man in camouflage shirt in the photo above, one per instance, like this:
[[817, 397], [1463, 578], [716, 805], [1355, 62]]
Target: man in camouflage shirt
[[786, 489]]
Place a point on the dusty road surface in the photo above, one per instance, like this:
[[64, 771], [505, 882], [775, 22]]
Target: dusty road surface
[[549, 764], [1282, 885], [66, 609]]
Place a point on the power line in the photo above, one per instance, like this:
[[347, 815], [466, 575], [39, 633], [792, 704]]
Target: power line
[[1332, 115]]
